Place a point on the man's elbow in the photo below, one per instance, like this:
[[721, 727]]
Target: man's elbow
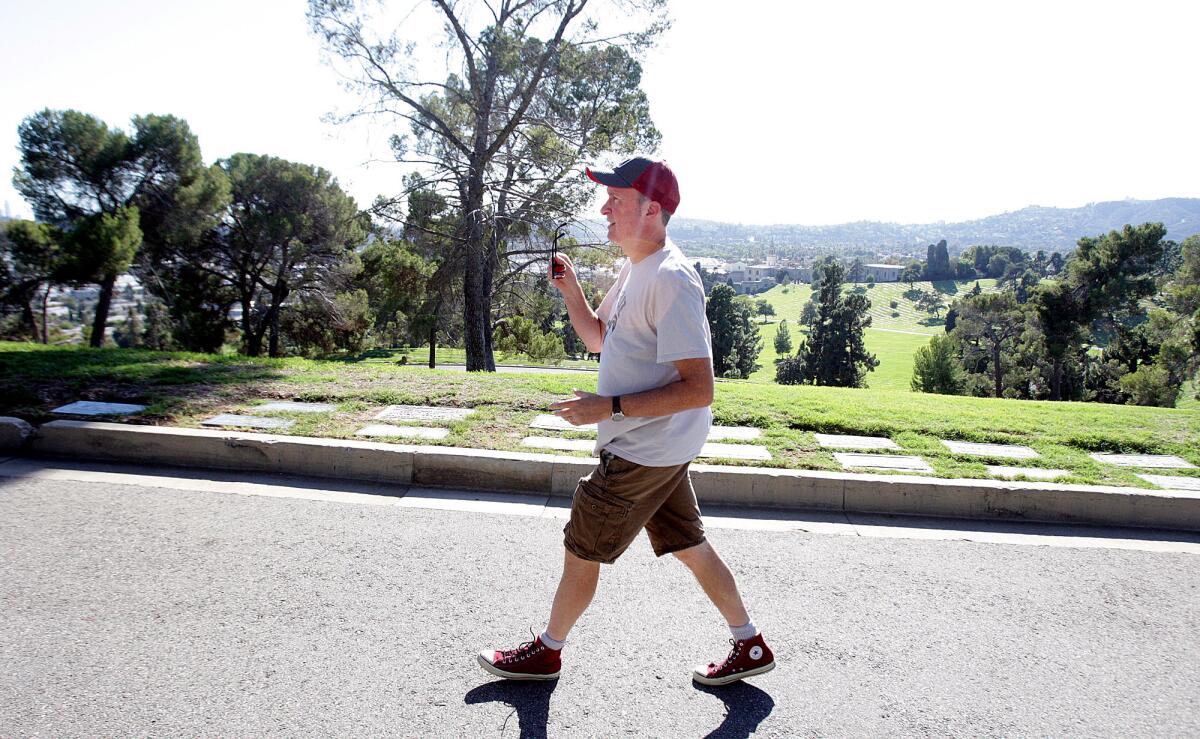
[[703, 394]]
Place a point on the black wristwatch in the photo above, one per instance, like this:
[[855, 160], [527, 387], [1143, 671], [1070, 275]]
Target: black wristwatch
[[617, 414]]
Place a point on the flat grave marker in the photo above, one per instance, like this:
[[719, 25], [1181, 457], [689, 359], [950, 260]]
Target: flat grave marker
[[551, 422], [1035, 473], [252, 422], [737, 433], [1010, 451], [882, 462], [290, 406], [422, 413], [1147, 461], [710, 450], [559, 444], [1173, 482], [736, 451], [92, 408], [408, 432], [842, 441]]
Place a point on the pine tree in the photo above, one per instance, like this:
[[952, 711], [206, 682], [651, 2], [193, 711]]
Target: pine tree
[[834, 353], [735, 339], [783, 339]]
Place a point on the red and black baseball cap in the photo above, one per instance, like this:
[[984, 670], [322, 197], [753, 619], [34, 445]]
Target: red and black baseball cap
[[653, 179]]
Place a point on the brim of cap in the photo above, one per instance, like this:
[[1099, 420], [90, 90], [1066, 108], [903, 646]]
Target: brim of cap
[[609, 179]]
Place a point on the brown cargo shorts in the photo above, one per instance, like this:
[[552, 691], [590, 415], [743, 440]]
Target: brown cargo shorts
[[620, 498]]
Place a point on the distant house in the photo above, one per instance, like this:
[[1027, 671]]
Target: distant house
[[882, 272]]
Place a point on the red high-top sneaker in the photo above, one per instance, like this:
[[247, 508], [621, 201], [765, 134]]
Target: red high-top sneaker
[[530, 661], [748, 657]]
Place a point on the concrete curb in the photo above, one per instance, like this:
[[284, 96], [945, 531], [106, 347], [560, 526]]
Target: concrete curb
[[553, 475]]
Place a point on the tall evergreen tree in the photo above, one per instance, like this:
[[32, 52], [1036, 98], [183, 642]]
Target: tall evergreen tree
[[735, 339], [94, 182], [1105, 273], [783, 339], [834, 353], [32, 262], [991, 322]]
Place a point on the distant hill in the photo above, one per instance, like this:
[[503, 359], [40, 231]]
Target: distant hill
[[1032, 228]]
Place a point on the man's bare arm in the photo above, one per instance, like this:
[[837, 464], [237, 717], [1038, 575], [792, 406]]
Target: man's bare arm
[[584, 320], [693, 389]]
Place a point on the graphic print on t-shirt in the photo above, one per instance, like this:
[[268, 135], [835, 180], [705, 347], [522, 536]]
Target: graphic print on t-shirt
[[611, 326]]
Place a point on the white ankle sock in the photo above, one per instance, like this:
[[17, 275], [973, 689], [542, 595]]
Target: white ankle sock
[[742, 633], [551, 642]]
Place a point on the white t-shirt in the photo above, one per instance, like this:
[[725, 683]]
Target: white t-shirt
[[653, 316]]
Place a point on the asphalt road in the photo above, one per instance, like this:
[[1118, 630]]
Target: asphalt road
[[135, 610]]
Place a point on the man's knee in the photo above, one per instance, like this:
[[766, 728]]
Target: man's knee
[[693, 556]]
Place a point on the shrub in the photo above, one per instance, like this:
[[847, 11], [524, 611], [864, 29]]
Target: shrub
[[937, 369], [1150, 385]]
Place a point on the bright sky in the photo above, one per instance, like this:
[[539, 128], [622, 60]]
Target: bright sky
[[772, 111]]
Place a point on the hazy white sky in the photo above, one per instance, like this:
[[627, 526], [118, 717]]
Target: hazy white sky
[[771, 111]]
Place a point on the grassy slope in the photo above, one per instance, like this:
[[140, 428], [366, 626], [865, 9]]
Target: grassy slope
[[183, 389], [892, 339]]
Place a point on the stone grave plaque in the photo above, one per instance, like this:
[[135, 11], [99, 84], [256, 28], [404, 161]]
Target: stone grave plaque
[[409, 432], [1035, 473], [559, 444], [551, 422], [90, 408], [735, 451], [293, 407], [882, 462], [1173, 482], [737, 433], [1010, 451], [252, 422], [425, 413], [840, 441], [1148, 461]]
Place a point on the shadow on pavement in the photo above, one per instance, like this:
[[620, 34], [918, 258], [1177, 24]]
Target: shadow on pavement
[[530, 699], [745, 708]]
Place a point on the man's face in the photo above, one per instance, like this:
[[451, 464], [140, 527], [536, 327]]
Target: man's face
[[625, 210]]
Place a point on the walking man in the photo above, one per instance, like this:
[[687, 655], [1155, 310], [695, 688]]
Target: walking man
[[652, 412]]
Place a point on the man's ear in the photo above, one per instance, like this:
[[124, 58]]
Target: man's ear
[[653, 208]]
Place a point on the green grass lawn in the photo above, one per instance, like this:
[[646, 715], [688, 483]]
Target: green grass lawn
[[182, 389], [893, 350], [455, 355], [789, 304]]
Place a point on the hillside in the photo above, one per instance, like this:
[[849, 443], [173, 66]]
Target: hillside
[[1031, 228]]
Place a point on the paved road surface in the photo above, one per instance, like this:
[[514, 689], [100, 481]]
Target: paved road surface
[[143, 606]]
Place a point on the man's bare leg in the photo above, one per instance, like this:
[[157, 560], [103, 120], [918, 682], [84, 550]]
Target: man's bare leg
[[575, 591], [717, 581]]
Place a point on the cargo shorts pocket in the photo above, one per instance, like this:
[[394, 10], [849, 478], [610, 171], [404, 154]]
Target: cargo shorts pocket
[[599, 522]]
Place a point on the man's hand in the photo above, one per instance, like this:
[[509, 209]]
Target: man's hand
[[583, 408], [569, 280]]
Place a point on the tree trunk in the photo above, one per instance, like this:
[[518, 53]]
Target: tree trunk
[[1056, 371], [45, 328], [476, 300], [433, 344], [28, 320], [997, 373], [273, 342], [253, 343], [100, 324]]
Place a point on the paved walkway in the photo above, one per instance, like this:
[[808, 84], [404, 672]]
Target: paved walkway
[[149, 606]]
